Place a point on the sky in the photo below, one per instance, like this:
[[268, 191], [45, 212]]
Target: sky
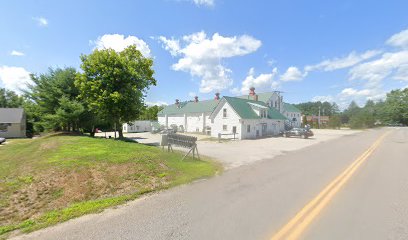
[[335, 51]]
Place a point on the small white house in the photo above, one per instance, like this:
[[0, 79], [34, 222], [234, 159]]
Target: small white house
[[12, 123], [137, 126], [245, 119]]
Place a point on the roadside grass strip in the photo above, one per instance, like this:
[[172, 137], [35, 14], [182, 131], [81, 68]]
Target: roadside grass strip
[[55, 178]]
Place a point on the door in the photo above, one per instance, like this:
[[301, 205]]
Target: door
[[264, 127]]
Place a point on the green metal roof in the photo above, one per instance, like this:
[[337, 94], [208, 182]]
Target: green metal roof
[[189, 107], [245, 111], [290, 108]]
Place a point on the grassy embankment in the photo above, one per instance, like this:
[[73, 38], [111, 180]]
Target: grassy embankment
[[55, 178]]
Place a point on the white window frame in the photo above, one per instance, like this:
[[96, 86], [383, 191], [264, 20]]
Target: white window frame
[[225, 127]]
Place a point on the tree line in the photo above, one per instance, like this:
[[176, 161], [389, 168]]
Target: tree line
[[391, 111], [107, 91]]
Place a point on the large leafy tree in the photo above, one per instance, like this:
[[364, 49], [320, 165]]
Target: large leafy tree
[[113, 84], [396, 106]]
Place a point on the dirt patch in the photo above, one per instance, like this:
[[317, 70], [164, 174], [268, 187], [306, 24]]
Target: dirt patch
[[57, 189]]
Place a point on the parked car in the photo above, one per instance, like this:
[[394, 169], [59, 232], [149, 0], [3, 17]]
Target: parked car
[[298, 132], [2, 140]]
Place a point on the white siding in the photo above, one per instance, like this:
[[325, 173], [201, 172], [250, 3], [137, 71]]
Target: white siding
[[232, 120], [137, 126]]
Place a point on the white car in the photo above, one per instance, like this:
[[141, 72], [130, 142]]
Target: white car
[[2, 140]]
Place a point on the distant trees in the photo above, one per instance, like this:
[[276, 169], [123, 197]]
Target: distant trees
[[9, 99], [312, 108], [112, 85], [150, 113]]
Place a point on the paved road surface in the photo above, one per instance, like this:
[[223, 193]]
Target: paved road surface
[[256, 201]]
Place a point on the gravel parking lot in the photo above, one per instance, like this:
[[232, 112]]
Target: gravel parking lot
[[237, 153]]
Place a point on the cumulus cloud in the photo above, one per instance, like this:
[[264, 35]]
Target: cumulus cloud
[[262, 82], [399, 40], [391, 64], [202, 56], [204, 2], [327, 98], [119, 42], [157, 103], [16, 53], [41, 21], [343, 62], [14, 78], [292, 74]]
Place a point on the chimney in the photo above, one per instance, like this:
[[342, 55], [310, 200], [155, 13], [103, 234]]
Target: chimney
[[217, 96], [252, 94], [252, 91], [196, 99], [177, 102]]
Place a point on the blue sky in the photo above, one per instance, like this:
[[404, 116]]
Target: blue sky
[[311, 50]]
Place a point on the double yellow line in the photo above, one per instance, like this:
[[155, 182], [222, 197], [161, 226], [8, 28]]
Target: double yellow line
[[297, 225]]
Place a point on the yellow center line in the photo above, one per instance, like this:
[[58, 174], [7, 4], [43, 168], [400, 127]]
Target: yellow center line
[[295, 227]]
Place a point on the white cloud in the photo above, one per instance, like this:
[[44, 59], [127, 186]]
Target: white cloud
[[202, 56], [157, 103], [399, 40], [16, 53], [377, 70], [204, 2], [344, 62], [119, 42], [192, 94], [327, 98], [14, 78], [292, 74], [171, 45], [262, 82], [41, 21]]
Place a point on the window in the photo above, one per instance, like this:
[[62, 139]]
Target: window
[[248, 128], [224, 112], [262, 113], [234, 129], [224, 127]]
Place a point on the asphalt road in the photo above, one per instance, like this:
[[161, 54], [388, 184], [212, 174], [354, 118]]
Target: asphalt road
[[258, 200]]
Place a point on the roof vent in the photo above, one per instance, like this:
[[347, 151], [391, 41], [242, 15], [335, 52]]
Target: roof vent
[[196, 99], [217, 96]]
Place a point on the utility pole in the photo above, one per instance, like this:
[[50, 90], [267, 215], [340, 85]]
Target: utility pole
[[319, 118]]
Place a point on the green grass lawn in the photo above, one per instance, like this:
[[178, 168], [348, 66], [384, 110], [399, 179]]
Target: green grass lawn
[[58, 177]]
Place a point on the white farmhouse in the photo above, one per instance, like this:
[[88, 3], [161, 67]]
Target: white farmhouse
[[275, 100], [191, 116], [245, 118]]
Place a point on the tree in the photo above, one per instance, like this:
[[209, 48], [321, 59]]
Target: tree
[[9, 99], [396, 107], [113, 84], [150, 113], [334, 122], [54, 101]]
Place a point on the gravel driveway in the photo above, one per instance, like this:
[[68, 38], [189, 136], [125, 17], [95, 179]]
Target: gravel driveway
[[233, 154]]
